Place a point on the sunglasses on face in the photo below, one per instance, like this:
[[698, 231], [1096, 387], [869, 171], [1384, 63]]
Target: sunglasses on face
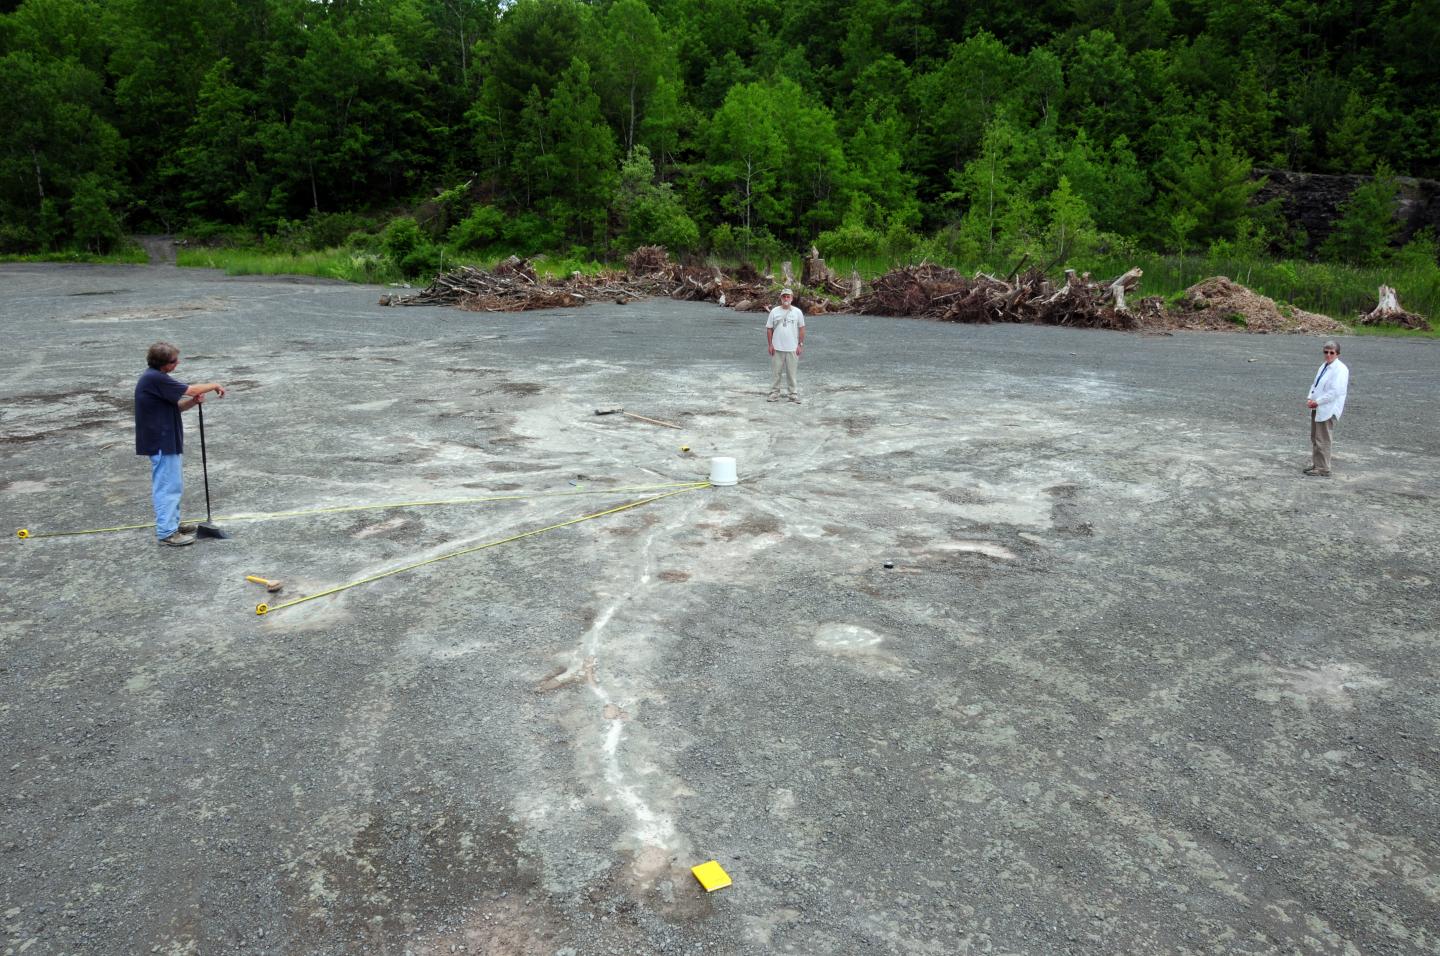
[[1330, 352]]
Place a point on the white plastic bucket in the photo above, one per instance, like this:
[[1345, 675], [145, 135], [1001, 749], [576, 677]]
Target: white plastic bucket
[[722, 471]]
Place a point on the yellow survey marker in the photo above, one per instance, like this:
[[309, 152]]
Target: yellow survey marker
[[711, 875]]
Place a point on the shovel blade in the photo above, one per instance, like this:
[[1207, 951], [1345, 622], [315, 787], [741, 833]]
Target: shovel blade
[[207, 530]]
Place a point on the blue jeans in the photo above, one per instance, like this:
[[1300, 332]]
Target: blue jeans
[[165, 488]]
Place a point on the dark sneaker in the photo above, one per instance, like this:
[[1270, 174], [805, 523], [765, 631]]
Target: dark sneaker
[[189, 527], [1313, 472], [773, 398], [178, 540], [795, 399]]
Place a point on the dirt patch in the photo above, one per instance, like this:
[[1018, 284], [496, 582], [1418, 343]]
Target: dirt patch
[[674, 577], [634, 526], [1220, 304], [752, 527], [854, 426], [520, 388], [50, 398], [410, 864], [182, 311]]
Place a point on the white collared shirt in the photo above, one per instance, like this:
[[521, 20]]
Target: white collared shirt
[[1328, 390]]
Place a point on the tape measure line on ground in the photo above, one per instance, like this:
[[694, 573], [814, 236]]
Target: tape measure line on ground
[[25, 534], [263, 609]]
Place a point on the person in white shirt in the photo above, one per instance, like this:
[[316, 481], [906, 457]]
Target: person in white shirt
[[785, 337], [1326, 401]]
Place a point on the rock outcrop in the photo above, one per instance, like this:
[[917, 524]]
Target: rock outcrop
[[1312, 200]]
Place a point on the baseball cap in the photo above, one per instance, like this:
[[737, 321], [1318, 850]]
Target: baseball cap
[[788, 292]]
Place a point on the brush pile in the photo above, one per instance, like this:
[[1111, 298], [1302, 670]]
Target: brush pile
[[514, 286], [930, 291], [922, 291]]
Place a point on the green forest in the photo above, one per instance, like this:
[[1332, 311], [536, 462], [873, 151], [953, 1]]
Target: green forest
[[976, 131]]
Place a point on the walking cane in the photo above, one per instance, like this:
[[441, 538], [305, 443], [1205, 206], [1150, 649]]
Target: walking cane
[[206, 529]]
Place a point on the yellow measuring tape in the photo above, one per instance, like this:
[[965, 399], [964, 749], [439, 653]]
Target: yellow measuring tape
[[26, 533], [263, 609]]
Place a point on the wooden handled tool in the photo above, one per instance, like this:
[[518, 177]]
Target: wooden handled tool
[[620, 410], [271, 586]]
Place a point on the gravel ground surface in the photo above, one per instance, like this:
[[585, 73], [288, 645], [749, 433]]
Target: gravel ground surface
[[1131, 685]]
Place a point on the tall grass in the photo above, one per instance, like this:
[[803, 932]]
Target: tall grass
[[352, 266], [561, 268], [126, 254], [342, 264]]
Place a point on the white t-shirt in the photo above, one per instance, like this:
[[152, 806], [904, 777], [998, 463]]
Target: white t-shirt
[[787, 324]]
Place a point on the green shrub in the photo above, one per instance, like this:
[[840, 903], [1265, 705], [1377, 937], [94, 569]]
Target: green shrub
[[1421, 254], [15, 239], [401, 238], [327, 230], [478, 231], [424, 261], [1367, 224], [850, 240], [51, 225], [661, 220], [92, 223], [722, 241], [286, 237], [530, 233], [203, 232], [899, 241]]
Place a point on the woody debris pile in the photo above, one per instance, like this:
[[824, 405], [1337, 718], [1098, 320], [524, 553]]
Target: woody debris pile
[[922, 291], [1220, 304]]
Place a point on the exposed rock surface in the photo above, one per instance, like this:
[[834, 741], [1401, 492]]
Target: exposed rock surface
[[1312, 200]]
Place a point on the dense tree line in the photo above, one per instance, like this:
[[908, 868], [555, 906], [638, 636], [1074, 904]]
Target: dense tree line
[[705, 124]]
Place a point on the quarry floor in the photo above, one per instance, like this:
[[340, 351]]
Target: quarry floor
[[1130, 684]]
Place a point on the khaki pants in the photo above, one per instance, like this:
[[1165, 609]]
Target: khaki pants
[[787, 363], [1321, 434]]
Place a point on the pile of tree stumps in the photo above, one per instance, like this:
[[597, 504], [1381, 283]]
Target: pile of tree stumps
[[514, 286], [926, 290], [930, 291]]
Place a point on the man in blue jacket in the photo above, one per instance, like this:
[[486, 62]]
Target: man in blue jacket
[[1326, 401], [159, 435]]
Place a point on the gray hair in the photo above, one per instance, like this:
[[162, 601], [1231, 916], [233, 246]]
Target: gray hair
[[161, 354], [1332, 344]]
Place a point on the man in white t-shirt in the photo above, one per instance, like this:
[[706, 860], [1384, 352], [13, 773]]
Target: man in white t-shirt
[[785, 336], [1326, 401]]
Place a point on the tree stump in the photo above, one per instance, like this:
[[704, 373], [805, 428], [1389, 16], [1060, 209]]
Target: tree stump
[[1124, 284], [815, 275], [1389, 312]]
